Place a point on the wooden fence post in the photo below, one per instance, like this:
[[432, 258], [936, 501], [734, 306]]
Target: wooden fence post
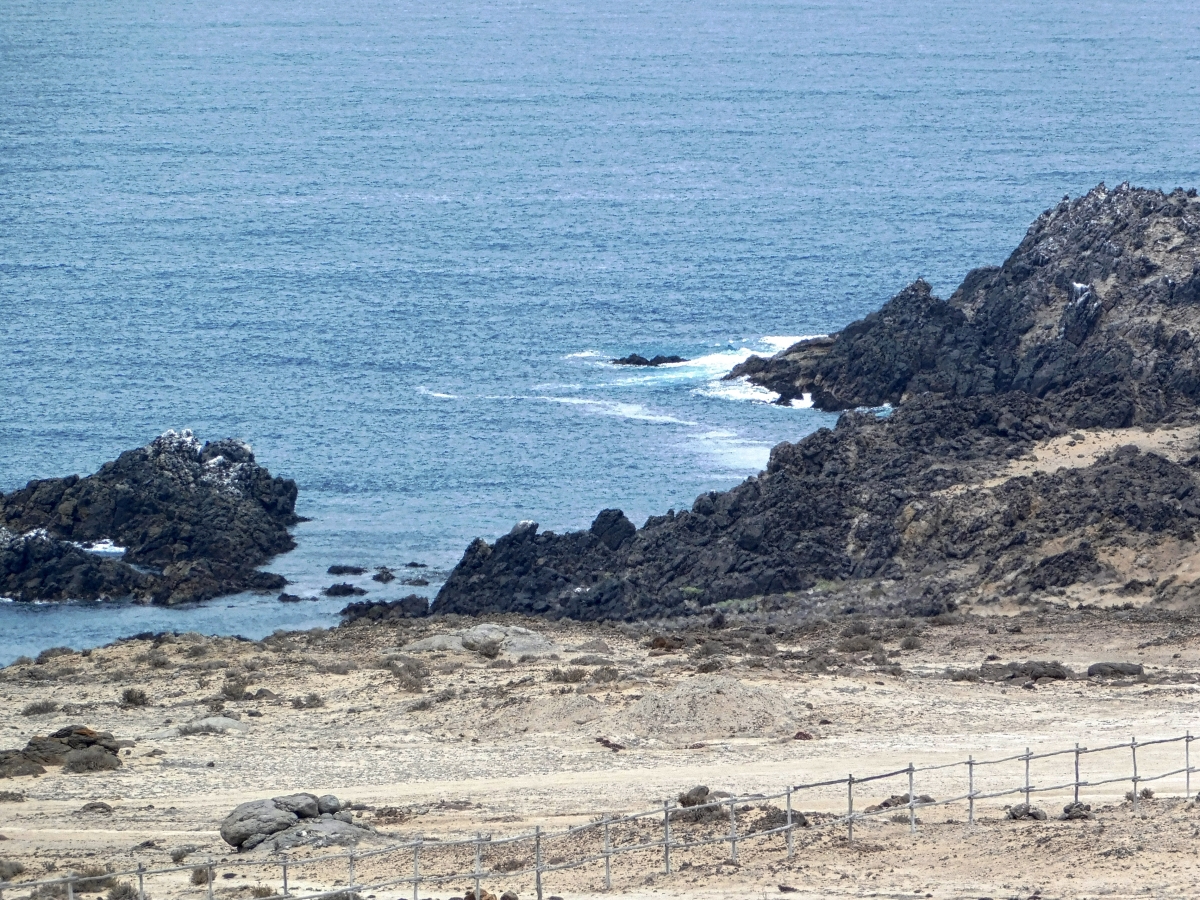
[[1027, 754], [478, 862], [850, 807], [416, 866], [733, 835], [1133, 750], [284, 863], [970, 790], [537, 859], [607, 858], [666, 838], [1077, 773], [1187, 765], [790, 837], [912, 803], [351, 859]]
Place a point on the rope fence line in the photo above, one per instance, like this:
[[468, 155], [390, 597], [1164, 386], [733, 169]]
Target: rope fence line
[[673, 838]]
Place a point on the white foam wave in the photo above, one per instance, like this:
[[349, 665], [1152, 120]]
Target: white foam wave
[[711, 368], [438, 394], [737, 389], [102, 548], [633, 411], [584, 354], [804, 402], [734, 452]]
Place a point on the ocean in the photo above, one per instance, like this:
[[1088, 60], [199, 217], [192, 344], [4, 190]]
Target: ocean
[[394, 245]]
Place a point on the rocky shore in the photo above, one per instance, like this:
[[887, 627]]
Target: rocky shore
[[1042, 444], [194, 521]]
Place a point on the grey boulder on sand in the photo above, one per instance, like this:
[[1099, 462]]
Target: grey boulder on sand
[[290, 821]]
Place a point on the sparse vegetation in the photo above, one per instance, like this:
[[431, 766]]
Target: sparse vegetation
[[94, 879], [46, 655], [605, 674], [572, 675], [308, 701], [261, 890], [911, 642], [489, 649], [92, 759], [501, 664], [40, 708], [410, 673], [10, 869], [123, 890], [200, 876], [234, 689], [132, 697], [859, 643]]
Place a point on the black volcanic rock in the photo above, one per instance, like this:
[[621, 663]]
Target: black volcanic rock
[[633, 359], [1089, 323], [195, 520], [1098, 308]]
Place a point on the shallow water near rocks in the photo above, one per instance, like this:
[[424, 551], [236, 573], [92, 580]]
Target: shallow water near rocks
[[393, 246]]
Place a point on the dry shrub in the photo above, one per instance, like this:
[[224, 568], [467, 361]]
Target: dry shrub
[[123, 890], [94, 879], [308, 701], [860, 643], [156, 659], [10, 869], [91, 759], [337, 668], [410, 673], [606, 673], [196, 651], [489, 649], [854, 629], [710, 665], [911, 642], [40, 708], [572, 675], [234, 689], [200, 876], [261, 890], [501, 664], [46, 655], [133, 697]]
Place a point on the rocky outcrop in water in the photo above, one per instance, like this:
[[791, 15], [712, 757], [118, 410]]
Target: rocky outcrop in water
[[1089, 323], [195, 521], [634, 359], [1098, 308]]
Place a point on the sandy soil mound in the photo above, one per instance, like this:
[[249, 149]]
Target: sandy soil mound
[[705, 707]]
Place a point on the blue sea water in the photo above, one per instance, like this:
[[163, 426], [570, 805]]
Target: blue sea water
[[392, 245]]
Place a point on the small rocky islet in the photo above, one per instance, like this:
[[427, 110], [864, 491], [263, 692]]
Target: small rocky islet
[[195, 521]]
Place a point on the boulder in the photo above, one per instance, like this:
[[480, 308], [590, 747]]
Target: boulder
[[1115, 670], [257, 817], [317, 833], [1077, 810], [304, 806], [1026, 811], [328, 804]]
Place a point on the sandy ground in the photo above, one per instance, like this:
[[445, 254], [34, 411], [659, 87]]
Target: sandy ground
[[498, 746]]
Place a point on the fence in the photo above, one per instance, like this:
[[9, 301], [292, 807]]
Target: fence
[[649, 835]]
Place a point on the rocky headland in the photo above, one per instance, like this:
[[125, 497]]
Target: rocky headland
[[1042, 443], [194, 520]]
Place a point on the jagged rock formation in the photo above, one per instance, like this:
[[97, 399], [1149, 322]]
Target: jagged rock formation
[[194, 520], [1097, 308], [1089, 323]]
